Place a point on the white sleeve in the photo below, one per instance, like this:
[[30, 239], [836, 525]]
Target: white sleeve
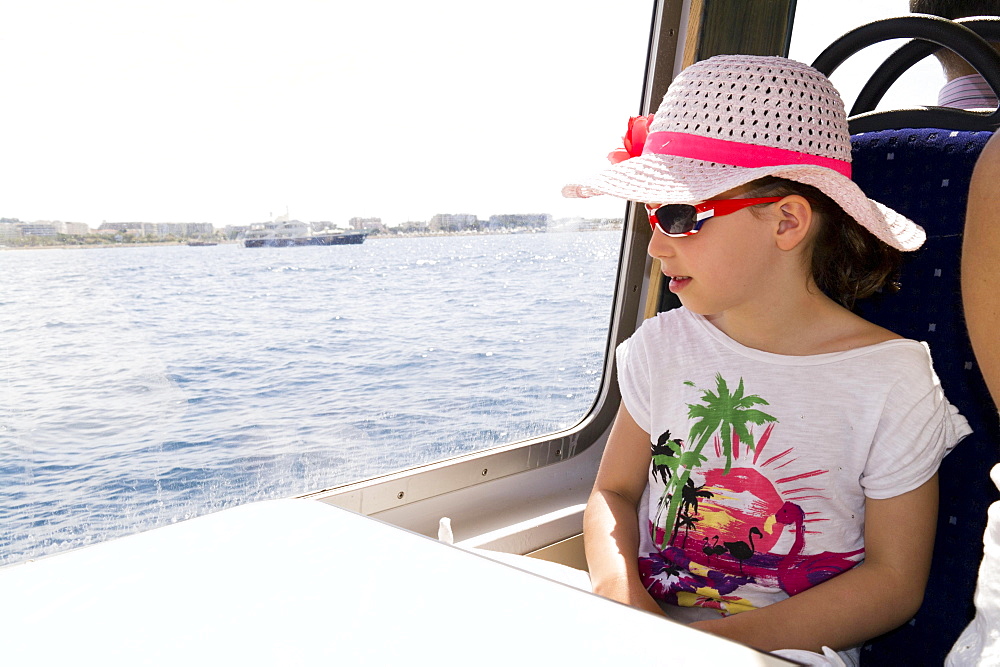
[[634, 378], [917, 429]]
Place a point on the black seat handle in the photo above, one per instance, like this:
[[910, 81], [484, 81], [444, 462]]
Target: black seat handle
[[940, 32], [913, 52]]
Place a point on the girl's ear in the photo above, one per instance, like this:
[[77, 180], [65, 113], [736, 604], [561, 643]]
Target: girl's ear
[[795, 219]]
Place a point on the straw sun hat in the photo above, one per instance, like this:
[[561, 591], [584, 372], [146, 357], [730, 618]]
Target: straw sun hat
[[729, 120]]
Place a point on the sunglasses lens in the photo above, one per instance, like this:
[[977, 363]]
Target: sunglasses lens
[[676, 218]]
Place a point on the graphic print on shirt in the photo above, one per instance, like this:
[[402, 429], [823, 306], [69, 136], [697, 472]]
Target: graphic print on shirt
[[715, 526]]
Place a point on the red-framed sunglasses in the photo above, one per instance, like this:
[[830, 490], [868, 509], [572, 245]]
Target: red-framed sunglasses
[[687, 219]]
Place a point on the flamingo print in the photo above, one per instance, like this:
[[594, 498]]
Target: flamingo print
[[742, 551], [797, 572], [713, 549]]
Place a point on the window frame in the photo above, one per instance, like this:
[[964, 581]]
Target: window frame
[[680, 33], [395, 490]]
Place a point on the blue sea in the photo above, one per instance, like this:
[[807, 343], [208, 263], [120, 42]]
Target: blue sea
[[140, 386]]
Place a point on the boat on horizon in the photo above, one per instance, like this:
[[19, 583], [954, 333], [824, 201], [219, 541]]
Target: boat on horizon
[[285, 233]]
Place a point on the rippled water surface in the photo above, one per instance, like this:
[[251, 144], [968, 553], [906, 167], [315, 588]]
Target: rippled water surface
[[142, 386]]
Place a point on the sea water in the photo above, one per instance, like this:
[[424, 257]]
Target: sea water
[[140, 386]]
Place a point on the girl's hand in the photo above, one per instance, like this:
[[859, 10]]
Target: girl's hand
[[627, 592]]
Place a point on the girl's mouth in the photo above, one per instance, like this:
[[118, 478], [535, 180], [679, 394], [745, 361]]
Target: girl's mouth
[[677, 283]]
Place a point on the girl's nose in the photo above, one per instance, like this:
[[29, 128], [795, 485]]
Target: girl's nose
[[660, 245]]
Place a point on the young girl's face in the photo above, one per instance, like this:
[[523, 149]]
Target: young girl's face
[[730, 263]]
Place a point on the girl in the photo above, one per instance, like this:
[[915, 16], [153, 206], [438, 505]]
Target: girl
[[779, 451]]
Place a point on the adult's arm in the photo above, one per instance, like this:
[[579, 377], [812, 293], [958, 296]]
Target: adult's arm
[[981, 264]]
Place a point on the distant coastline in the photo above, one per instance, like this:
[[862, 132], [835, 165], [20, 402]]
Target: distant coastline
[[616, 226]]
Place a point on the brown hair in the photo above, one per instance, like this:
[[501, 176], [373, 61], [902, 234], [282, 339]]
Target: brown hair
[[956, 9], [848, 262], [953, 64]]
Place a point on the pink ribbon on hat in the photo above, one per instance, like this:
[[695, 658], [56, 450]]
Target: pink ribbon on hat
[[738, 154]]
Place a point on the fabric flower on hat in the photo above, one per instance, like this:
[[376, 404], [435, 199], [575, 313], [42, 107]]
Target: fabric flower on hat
[[634, 139]]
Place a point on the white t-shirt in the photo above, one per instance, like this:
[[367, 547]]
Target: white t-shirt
[[979, 643], [762, 462]]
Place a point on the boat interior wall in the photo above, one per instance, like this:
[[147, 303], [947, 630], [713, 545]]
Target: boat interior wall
[[567, 552], [518, 513], [666, 48], [955, 35], [738, 26], [924, 173], [532, 535]]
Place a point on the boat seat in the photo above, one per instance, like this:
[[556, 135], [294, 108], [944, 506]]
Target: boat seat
[[906, 160], [924, 174]]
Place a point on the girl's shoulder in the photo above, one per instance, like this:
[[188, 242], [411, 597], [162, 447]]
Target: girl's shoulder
[[855, 334], [678, 326]]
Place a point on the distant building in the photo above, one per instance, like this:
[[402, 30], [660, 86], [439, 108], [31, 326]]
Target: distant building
[[519, 221], [136, 228], [68, 228], [181, 229], [411, 227], [450, 222], [36, 229], [366, 223], [159, 229], [74, 228], [9, 230]]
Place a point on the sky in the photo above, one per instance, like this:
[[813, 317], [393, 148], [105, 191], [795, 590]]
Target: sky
[[236, 111]]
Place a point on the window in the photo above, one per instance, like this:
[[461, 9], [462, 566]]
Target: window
[[816, 27], [152, 368]]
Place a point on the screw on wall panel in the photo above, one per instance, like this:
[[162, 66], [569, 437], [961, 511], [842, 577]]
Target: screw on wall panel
[[558, 452], [400, 495], [485, 470]]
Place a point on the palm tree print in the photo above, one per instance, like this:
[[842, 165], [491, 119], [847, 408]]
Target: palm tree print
[[687, 522], [665, 453], [667, 456], [727, 413], [689, 509]]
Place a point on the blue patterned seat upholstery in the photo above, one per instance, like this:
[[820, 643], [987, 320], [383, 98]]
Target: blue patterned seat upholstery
[[924, 174]]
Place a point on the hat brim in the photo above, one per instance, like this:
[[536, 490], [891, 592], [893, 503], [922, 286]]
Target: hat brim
[[666, 179]]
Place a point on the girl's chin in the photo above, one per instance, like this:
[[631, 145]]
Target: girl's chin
[[698, 308]]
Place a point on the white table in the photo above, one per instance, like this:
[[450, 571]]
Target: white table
[[296, 582]]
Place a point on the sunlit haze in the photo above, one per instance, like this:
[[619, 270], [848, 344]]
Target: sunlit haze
[[229, 112]]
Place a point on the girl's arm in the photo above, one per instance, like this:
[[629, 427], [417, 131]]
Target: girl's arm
[[880, 594], [610, 523]]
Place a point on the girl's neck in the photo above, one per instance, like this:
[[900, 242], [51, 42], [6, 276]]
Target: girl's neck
[[807, 324]]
